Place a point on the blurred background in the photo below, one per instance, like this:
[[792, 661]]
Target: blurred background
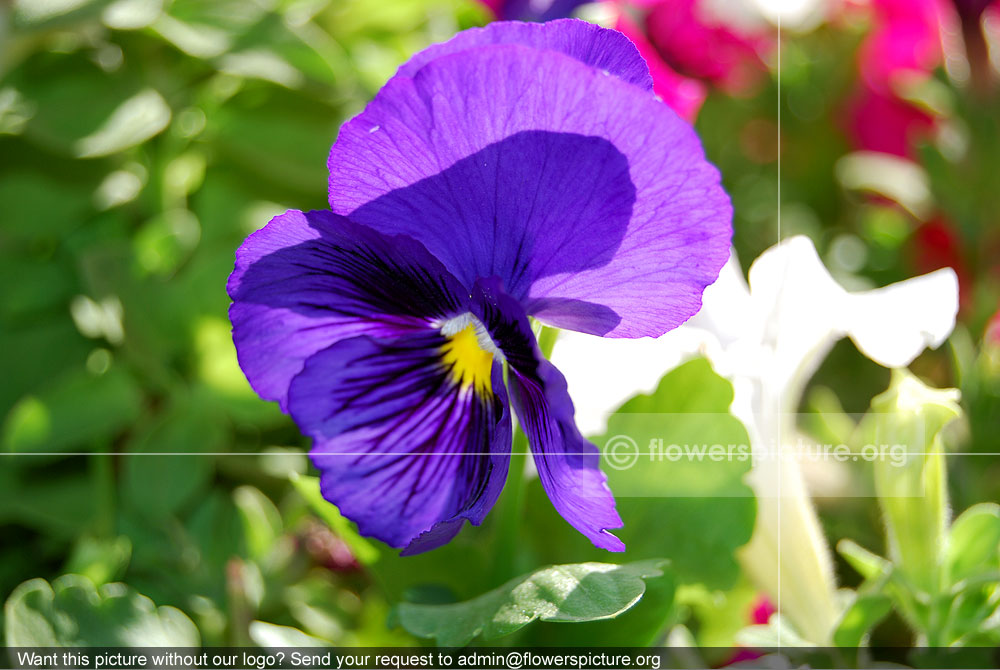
[[142, 140]]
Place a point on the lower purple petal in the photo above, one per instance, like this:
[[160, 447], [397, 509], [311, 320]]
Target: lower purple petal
[[403, 449], [568, 465]]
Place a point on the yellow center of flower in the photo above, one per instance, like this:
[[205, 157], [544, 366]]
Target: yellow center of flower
[[468, 363]]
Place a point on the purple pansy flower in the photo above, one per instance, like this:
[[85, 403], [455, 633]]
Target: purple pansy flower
[[518, 169]]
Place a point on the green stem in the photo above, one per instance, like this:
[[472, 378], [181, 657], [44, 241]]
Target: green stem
[[104, 484], [547, 340], [509, 510]]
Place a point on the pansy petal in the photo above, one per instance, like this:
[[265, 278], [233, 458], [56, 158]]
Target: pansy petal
[[588, 43], [574, 188], [567, 464], [403, 449], [307, 280]]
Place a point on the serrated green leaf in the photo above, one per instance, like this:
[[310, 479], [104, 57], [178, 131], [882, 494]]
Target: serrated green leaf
[[565, 593], [71, 613]]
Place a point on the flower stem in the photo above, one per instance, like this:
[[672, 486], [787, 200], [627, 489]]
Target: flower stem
[[510, 507]]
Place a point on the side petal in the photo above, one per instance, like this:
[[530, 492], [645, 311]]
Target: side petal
[[403, 449], [567, 464], [307, 280], [588, 43], [571, 186]]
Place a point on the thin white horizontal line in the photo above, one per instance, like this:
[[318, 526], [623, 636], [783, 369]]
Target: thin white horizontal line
[[445, 453]]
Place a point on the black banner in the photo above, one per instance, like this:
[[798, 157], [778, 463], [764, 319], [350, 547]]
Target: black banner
[[486, 658]]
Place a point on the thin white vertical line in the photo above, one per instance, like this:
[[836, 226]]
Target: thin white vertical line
[[778, 408]]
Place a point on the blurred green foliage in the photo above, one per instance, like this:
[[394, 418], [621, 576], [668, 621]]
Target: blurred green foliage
[[142, 140]]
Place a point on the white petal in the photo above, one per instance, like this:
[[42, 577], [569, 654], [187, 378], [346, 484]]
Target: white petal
[[894, 324], [725, 309], [800, 309]]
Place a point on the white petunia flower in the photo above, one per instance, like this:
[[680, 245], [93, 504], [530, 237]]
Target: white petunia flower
[[768, 339]]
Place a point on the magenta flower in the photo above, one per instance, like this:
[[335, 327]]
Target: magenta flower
[[516, 170], [993, 330], [885, 123], [697, 44], [903, 47], [682, 94]]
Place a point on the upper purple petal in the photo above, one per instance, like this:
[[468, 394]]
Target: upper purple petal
[[568, 465], [307, 280], [590, 199], [402, 448], [588, 43]]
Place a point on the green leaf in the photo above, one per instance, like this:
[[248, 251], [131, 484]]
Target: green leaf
[[864, 613], [158, 483], [132, 122], [37, 14], [33, 355], [695, 511], [868, 565], [257, 137], [974, 543], [261, 520], [78, 411], [100, 560], [643, 625], [38, 207], [85, 112], [71, 612], [564, 593], [271, 635], [60, 505]]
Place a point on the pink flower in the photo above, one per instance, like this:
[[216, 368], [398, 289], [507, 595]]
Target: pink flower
[[903, 48], [760, 613], [883, 122], [682, 94], [993, 330], [762, 610], [696, 44]]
